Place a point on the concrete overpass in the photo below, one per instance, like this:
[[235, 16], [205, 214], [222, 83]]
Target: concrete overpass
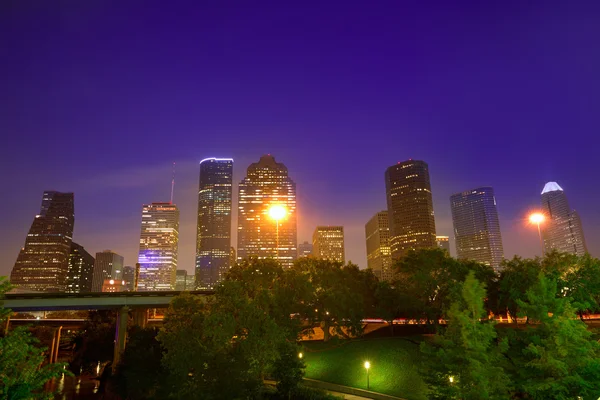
[[123, 302]]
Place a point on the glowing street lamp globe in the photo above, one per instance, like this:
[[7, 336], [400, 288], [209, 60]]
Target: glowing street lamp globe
[[367, 365], [537, 218], [277, 212]]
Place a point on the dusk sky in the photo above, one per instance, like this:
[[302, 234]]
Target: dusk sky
[[101, 97]]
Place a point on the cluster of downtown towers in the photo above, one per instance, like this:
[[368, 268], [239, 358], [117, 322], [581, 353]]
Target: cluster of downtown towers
[[50, 261]]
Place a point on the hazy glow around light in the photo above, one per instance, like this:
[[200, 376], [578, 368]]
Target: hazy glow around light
[[277, 212], [537, 218], [367, 365]]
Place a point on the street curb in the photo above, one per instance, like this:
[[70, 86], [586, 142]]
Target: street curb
[[347, 390]]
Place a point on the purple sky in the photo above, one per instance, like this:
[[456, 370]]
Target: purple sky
[[100, 97]]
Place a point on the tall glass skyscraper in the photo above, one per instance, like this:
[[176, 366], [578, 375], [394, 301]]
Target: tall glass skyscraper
[[158, 247], [213, 238], [562, 230], [43, 263], [410, 207], [477, 227], [267, 184]]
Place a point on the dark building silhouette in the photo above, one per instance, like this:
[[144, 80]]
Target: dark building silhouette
[[477, 227], [43, 263], [562, 229], [81, 270], [213, 239]]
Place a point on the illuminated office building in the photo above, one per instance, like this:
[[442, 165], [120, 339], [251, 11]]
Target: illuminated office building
[[43, 263], [129, 278], [410, 207], [443, 242], [158, 247], [213, 239], [379, 254], [267, 184], [108, 265], [180, 279], [305, 249], [81, 270], [562, 229], [477, 227], [328, 243]]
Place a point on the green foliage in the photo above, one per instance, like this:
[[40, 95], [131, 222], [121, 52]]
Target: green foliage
[[465, 362], [556, 358], [140, 374], [288, 370], [22, 376], [389, 302], [338, 296], [429, 277]]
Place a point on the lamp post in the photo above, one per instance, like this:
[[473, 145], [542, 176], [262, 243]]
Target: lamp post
[[277, 212], [367, 366], [538, 218]]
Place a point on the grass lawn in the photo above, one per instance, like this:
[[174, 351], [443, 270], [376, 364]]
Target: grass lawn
[[393, 361]]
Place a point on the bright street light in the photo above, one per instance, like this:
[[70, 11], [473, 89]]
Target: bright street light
[[277, 212], [367, 366], [300, 355], [538, 218]]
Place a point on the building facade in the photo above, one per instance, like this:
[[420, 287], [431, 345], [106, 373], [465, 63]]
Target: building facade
[[43, 263], [379, 253], [410, 207], [328, 243], [129, 278], [108, 265], [477, 227], [305, 249], [81, 270], [267, 184], [114, 286], [159, 241], [180, 279], [562, 229], [213, 239], [443, 242]]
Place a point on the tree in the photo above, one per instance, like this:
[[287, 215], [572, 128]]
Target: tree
[[140, 374], [517, 277], [22, 375], [96, 342], [388, 302], [337, 296], [464, 362], [556, 358], [429, 276], [288, 370]]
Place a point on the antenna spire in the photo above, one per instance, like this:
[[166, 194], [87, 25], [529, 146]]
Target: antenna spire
[[172, 184]]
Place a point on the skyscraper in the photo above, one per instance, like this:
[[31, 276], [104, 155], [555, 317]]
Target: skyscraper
[[108, 265], [410, 207], [43, 263], [213, 240], [562, 230], [81, 270], [267, 184], [158, 247], [304, 249], [328, 243], [379, 254], [180, 278], [129, 277], [443, 242], [476, 226]]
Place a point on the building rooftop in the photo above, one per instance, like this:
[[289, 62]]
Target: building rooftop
[[551, 187]]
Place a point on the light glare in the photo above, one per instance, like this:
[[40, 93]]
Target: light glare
[[367, 365], [277, 212], [537, 218]]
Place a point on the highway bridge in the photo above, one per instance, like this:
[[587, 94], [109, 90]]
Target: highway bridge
[[123, 302]]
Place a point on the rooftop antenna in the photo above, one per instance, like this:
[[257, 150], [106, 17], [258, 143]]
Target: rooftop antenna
[[172, 184]]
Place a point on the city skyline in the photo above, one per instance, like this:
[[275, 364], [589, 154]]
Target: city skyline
[[367, 87]]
